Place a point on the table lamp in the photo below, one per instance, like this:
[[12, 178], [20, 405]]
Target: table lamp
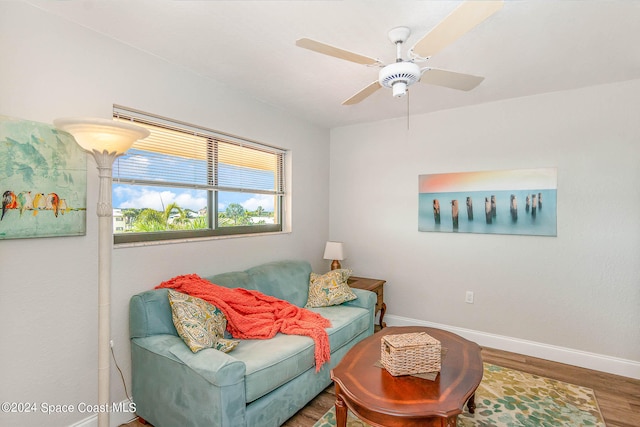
[[335, 252]]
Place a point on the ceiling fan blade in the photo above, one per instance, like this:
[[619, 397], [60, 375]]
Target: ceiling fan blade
[[457, 23], [363, 93], [326, 49], [450, 79]]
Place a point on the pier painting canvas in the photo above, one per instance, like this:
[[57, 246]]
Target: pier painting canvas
[[492, 202], [43, 181]]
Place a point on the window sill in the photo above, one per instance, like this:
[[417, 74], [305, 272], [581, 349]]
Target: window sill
[[196, 239]]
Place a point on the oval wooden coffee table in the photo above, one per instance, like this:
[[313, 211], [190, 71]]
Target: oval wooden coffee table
[[380, 399]]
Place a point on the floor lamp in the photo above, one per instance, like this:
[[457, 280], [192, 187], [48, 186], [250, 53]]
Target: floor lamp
[[105, 140]]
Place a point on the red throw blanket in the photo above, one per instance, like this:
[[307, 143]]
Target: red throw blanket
[[254, 315]]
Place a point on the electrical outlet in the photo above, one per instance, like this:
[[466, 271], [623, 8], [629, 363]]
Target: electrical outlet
[[469, 297]]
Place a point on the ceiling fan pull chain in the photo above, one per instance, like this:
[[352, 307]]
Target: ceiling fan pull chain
[[408, 95]]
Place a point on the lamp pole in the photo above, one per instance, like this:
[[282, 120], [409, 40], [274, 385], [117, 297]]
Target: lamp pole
[[104, 162]]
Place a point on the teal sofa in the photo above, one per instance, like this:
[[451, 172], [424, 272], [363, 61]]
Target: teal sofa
[[261, 383]]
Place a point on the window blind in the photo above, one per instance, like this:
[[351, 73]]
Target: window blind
[[175, 155]]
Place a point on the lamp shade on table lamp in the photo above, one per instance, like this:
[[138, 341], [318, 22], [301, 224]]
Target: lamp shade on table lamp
[[335, 252]]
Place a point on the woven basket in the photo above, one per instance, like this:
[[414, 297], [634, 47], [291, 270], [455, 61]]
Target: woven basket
[[413, 353]]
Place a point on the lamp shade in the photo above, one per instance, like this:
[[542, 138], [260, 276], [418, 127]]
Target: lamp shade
[[102, 134], [334, 250]]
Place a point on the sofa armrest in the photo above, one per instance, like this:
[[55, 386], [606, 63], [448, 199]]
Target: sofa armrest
[[366, 299], [218, 368], [174, 387]]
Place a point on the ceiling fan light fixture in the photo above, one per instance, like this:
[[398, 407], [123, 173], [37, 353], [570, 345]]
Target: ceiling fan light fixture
[[398, 76], [399, 89]]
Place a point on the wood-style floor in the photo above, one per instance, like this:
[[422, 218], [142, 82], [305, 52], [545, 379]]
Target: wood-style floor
[[618, 397]]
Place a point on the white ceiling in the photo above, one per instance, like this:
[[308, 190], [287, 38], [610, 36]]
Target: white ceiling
[[528, 47]]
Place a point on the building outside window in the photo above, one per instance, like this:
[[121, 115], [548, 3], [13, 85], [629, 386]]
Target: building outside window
[[186, 181]]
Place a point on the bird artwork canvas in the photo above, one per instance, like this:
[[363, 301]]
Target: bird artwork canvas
[[43, 181]]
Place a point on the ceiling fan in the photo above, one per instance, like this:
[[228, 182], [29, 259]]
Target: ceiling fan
[[402, 73]]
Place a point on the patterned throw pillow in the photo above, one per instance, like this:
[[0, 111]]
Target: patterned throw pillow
[[225, 345], [329, 289], [200, 324]]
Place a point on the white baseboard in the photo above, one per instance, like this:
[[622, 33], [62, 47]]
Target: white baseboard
[[598, 362], [115, 418]]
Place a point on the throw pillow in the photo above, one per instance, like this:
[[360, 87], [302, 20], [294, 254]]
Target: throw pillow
[[225, 345], [329, 289], [200, 324]]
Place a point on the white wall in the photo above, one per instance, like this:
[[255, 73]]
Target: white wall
[[576, 294], [48, 305]]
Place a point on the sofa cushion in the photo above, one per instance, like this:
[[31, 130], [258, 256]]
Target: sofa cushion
[[286, 280], [235, 279], [329, 289], [150, 314], [347, 323], [198, 323], [273, 362]]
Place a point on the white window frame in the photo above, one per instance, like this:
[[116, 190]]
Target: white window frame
[[211, 186]]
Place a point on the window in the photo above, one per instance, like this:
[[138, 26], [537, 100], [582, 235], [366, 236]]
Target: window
[[184, 181]]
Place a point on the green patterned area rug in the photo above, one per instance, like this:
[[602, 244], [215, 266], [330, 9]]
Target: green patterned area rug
[[510, 398]]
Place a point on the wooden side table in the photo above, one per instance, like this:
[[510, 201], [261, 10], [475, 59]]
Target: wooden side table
[[376, 286]]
